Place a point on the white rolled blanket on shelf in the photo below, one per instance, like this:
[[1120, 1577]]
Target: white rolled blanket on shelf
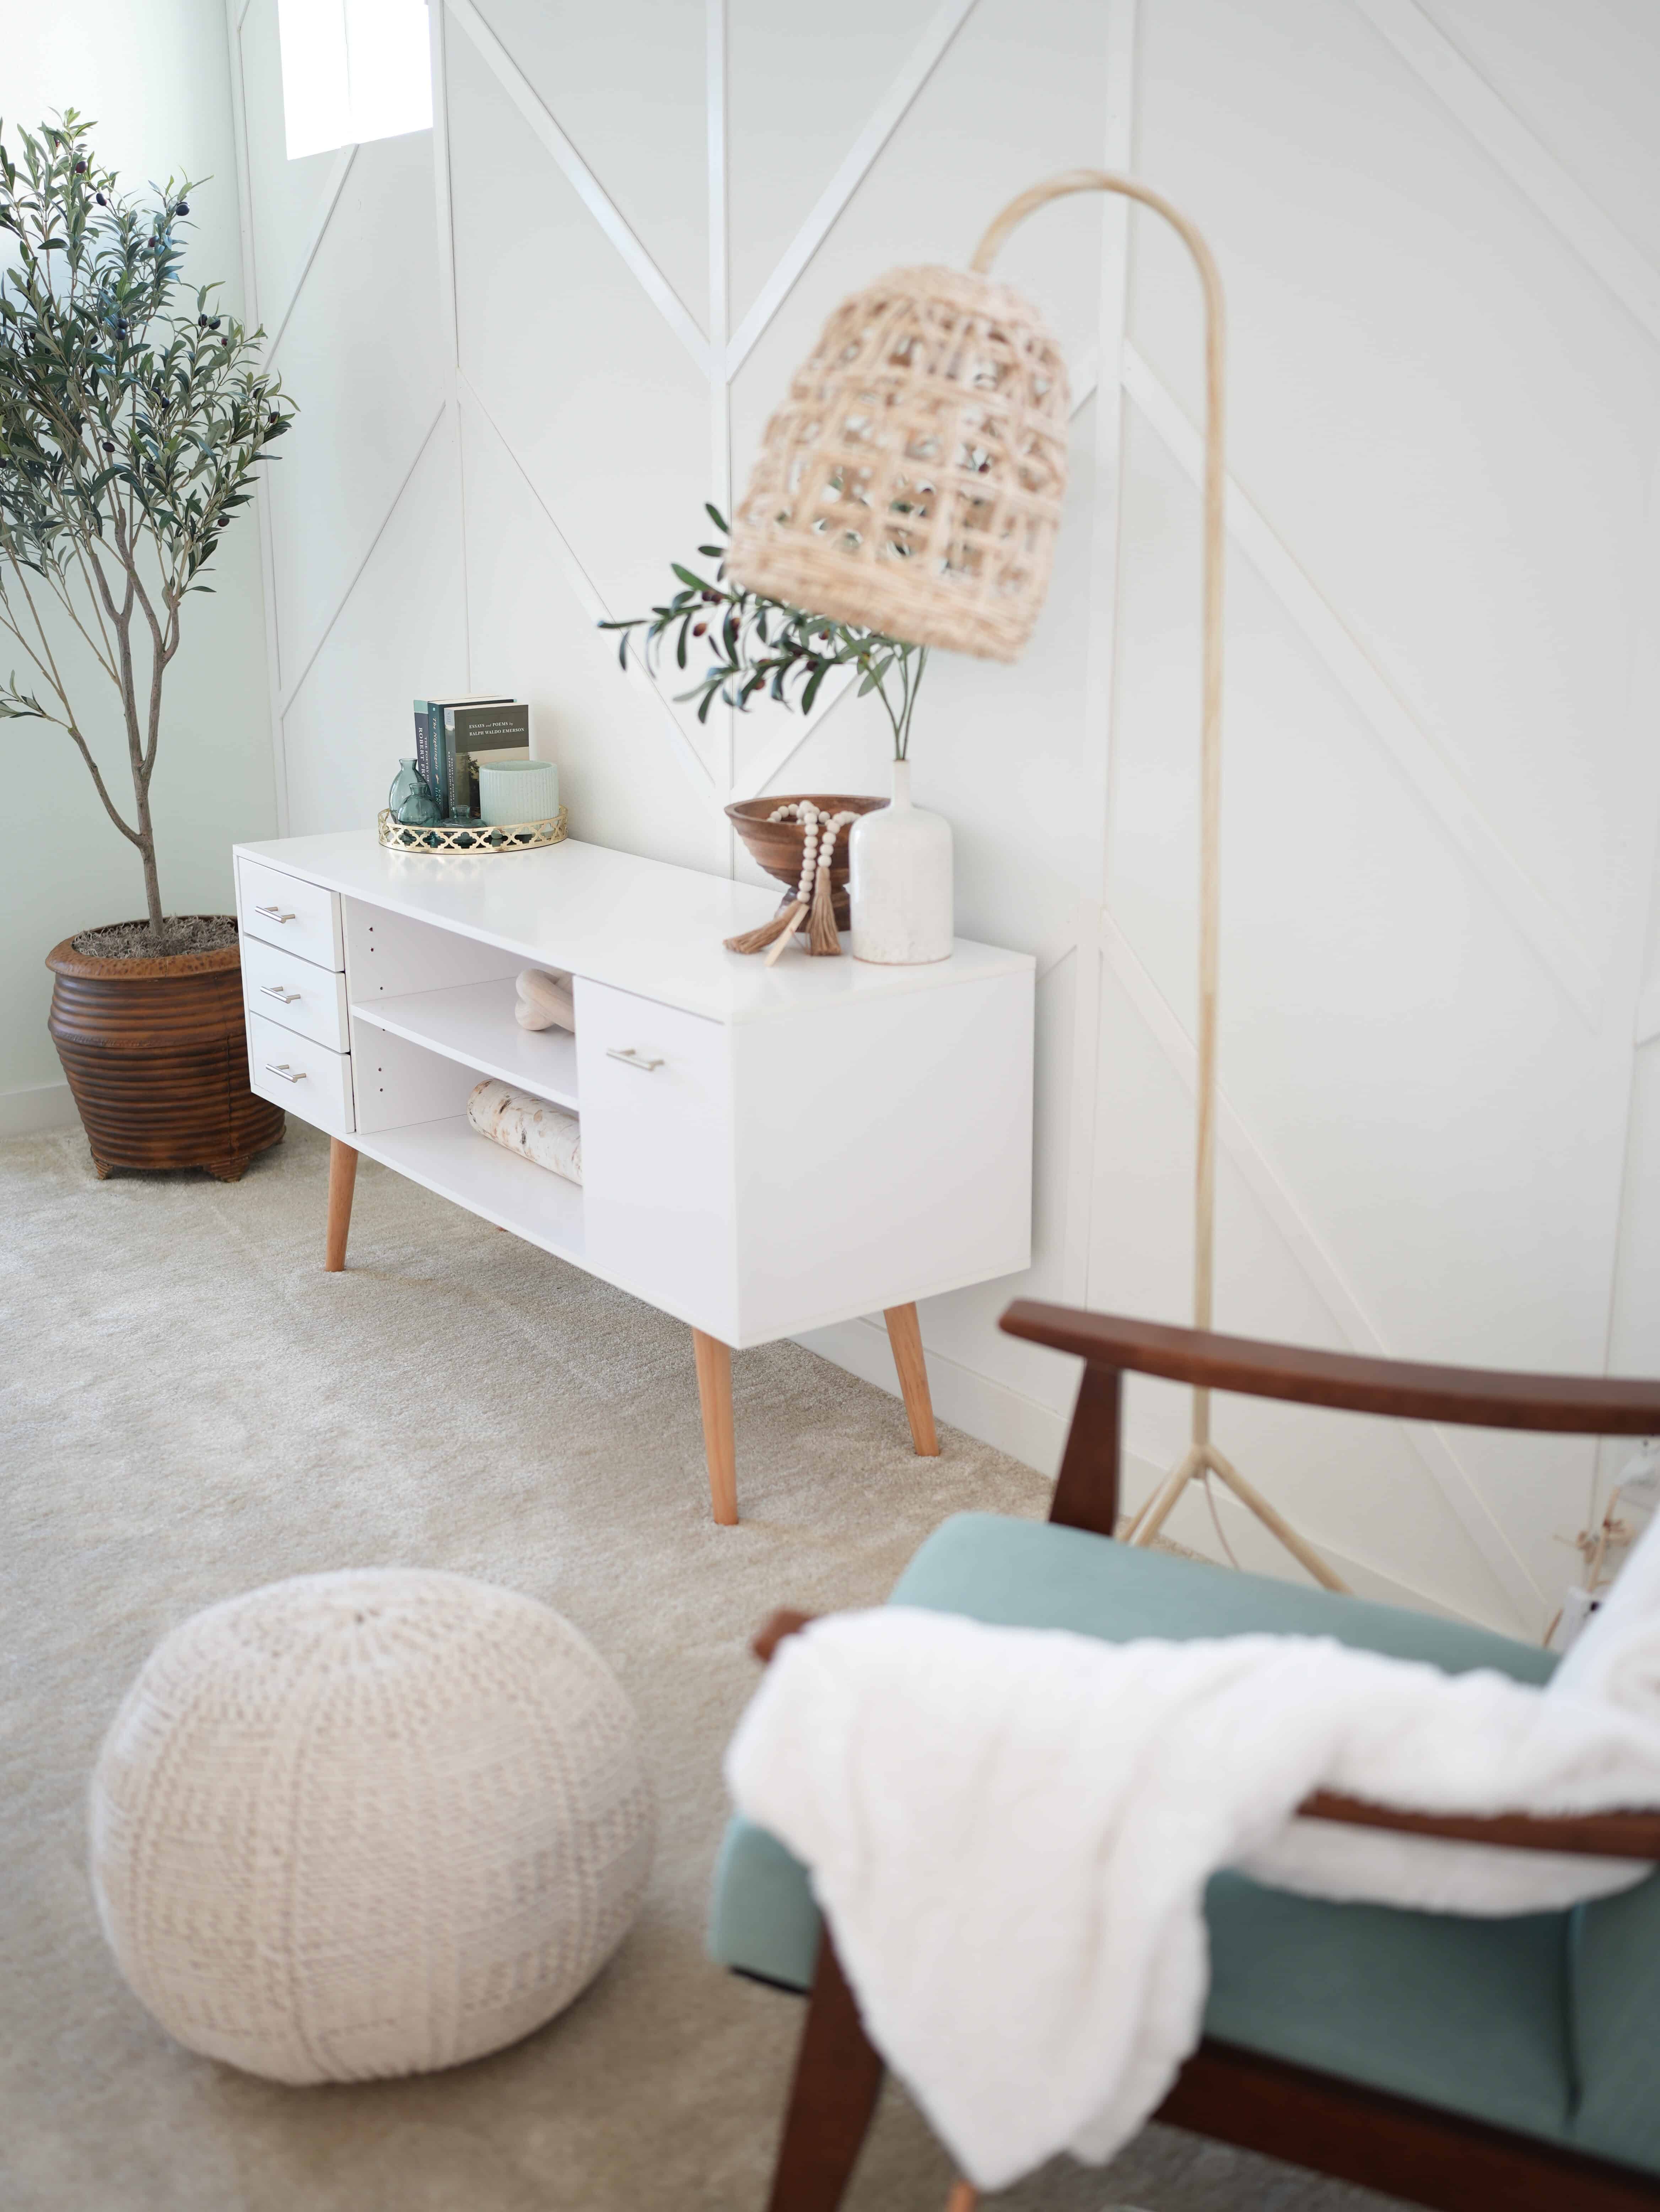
[[544, 1001], [1010, 1830], [528, 1125]]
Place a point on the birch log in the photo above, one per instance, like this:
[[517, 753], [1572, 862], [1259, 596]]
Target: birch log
[[529, 1126]]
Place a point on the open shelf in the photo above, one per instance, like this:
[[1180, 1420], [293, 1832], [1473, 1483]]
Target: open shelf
[[450, 1156], [474, 1024]]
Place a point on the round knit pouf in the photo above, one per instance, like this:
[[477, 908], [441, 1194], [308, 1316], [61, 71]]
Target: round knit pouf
[[369, 1823]]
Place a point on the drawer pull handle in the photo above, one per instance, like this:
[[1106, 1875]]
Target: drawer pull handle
[[274, 912], [282, 1069], [630, 1056], [276, 991]]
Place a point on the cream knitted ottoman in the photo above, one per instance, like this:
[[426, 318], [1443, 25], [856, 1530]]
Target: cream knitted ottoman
[[369, 1823]]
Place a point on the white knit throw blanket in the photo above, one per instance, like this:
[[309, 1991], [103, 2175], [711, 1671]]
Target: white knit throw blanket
[[1010, 1830]]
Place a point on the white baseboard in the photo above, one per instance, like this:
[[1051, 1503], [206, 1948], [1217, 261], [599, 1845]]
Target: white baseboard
[[1036, 1434], [1007, 1419], [39, 1106]]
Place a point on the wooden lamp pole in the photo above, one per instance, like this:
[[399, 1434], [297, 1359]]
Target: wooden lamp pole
[[1201, 1458]]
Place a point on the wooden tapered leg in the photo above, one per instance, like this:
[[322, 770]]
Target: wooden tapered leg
[[714, 1362], [905, 1335], [342, 1181], [838, 2079]]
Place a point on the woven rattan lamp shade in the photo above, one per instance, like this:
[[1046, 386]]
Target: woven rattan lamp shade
[[912, 479]]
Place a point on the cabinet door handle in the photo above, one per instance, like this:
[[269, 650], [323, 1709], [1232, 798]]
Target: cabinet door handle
[[275, 913], [282, 1069], [276, 991], [632, 1056]]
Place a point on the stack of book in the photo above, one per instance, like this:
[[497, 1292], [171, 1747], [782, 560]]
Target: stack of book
[[453, 736]]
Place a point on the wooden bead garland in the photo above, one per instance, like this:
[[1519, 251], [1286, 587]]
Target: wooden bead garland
[[814, 901]]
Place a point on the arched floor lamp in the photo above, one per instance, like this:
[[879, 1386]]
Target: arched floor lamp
[[912, 481]]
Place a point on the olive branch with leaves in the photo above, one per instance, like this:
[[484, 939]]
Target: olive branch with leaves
[[764, 645]]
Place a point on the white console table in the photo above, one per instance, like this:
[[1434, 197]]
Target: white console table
[[765, 1150]]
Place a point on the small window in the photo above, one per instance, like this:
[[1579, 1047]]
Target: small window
[[352, 69]]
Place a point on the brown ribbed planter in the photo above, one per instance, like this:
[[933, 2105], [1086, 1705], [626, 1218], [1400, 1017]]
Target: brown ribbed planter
[[157, 1060]]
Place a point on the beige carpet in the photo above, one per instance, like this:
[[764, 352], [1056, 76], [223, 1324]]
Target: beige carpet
[[191, 1407]]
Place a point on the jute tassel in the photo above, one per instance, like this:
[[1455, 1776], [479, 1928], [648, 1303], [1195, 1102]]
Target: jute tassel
[[822, 936], [757, 940], [792, 922]]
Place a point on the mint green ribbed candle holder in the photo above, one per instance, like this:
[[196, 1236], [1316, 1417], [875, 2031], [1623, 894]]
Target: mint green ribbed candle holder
[[518, 791]]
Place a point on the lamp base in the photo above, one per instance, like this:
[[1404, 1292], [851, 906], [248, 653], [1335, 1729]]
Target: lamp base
[[1203, 1460]]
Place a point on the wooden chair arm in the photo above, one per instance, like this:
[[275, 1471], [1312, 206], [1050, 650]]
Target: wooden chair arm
[[1579, 1405], [1634, 1835]]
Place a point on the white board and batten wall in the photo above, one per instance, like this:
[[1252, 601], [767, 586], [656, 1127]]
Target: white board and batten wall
[[529, 343]]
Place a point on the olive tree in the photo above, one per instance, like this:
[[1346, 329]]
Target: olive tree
[[133, 413]]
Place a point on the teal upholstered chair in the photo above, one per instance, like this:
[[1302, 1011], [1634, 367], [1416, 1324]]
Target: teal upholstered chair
[[1457, 2064]]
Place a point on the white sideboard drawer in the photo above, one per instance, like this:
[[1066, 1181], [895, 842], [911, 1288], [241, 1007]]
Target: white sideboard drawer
[[285, 988], [287, 910], [656, 1153], [299, 1073]]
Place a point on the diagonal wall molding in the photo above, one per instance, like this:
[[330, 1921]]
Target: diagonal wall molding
[[1529, 166], [331, 200], [1409, 746], [827, 209], [448, 314], [588, 596], [770, 763], [342, 602], [582, 182], [1322, 1271]]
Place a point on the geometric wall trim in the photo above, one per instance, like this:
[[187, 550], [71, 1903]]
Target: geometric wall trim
[[1451, 1043], [1536, 174]]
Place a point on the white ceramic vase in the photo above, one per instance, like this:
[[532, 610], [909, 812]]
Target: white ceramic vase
[[901, 881]]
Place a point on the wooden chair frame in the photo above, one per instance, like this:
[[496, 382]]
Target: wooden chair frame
[[1332, 2127]]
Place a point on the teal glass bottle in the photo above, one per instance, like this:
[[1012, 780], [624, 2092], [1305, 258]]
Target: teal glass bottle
[[410, 798]]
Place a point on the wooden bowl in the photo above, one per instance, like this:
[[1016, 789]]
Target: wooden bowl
[[776, 846]]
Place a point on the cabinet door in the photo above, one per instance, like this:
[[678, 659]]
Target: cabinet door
[[656, 1154]]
